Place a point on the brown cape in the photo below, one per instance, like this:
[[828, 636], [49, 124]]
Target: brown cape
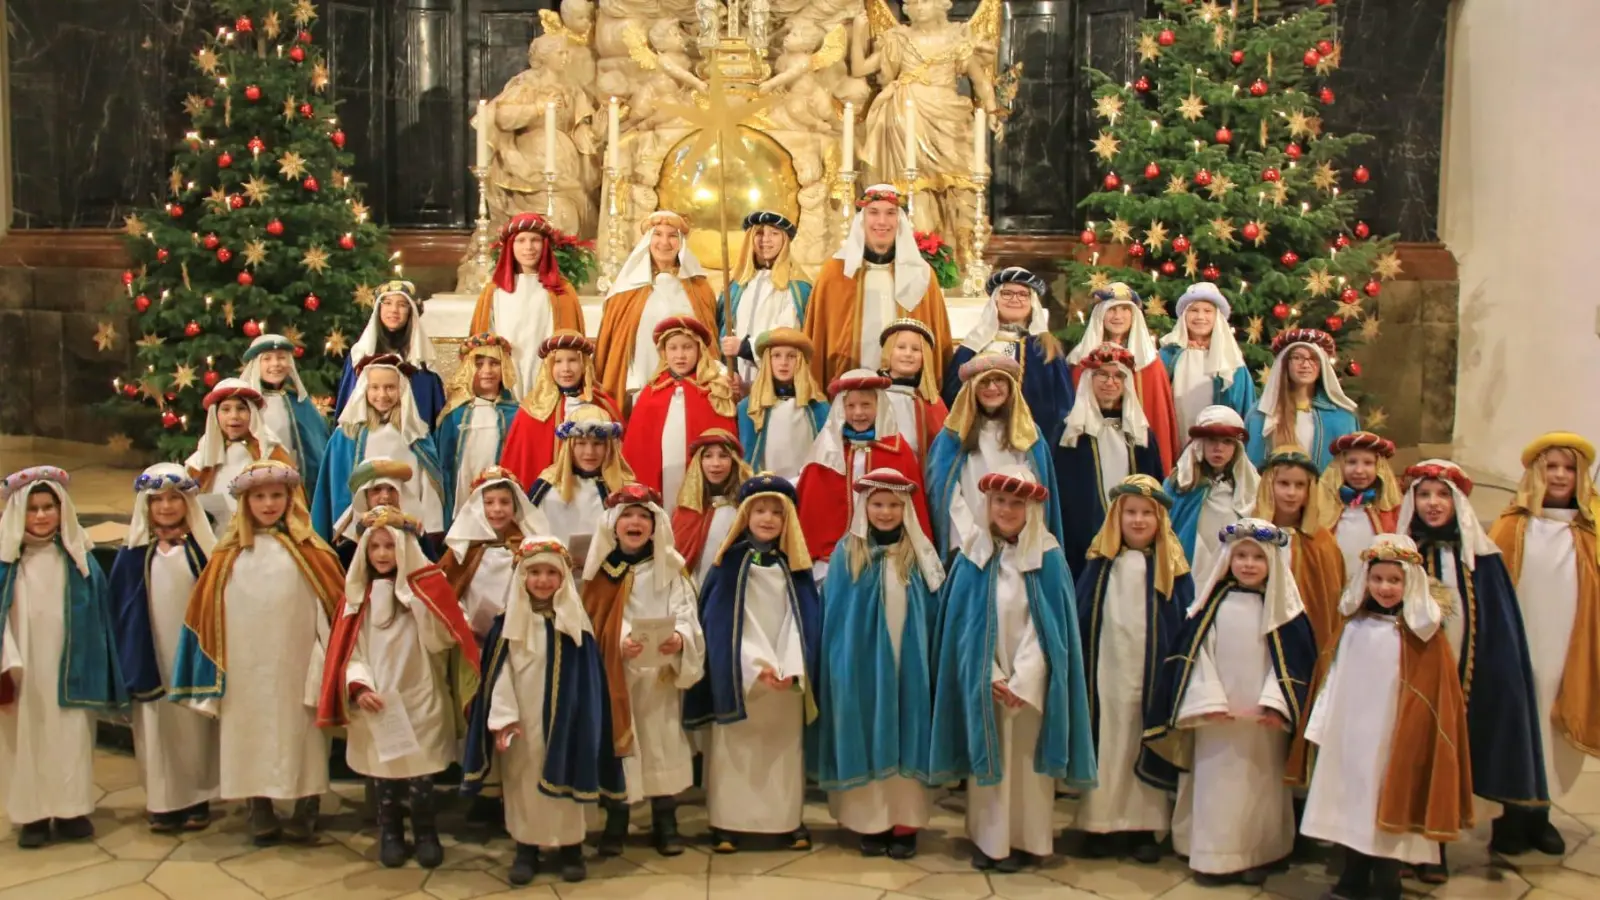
[[460, 573], [619, 324], [605, 601], [1427, 783], [1319, 574], [833, 323]]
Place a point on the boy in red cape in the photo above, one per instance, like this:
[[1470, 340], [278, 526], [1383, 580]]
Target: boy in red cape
[[914, 392], [861, 435], [564, 379], [527, 300], [688, 396]]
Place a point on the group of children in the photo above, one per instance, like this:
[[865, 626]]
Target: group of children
[[934, 572]]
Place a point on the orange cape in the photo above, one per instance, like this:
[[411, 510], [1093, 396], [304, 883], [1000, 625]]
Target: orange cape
[[605, 601], [565, 312], [1427, 782], [833, 323], [620, 324], [1318, 567]]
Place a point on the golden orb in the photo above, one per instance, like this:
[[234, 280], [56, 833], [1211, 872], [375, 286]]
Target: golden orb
[[762, 177]]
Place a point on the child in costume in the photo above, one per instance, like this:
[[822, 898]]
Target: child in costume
[[1011, 709], [1393, 775], [287, 408], [633, 574], [914, 386], [169, 540], [762, 621], [1135, 591], [235, 436], [784, 411], [564, 380], [527, 299], [1203, 358], [686, 396], [1547, 536], [869, 749], [1015, 324], [989, 429], [1302, 404], [1106, 439], [766, 290], [251, 652], [1212, 486], [1231, 694], [395, 329], [58, 659], [1360, 495], [380, 421], [377, 481], [1485, 629], [542, 711], [708, 501], [496, 518], [483, 402], [399, 620], [1118, 318], [572, 490], [859, 436]]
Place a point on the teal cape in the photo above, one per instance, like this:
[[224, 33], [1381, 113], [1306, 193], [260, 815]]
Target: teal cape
[[90, 677], [944, 464], [1240, 396], [755, 442], [130, 608], [310, 436], [1332, 422], [874, 714], [451, 436], [966, 737], [1047, 386], [1186, 509], [344, 454], [728, 308]]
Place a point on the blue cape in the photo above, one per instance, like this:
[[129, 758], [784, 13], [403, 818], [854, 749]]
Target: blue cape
[[755, 443], [1239, 396], [1046, 386], [344, 454], [580, 762], [1164, 623], [427, 391], [89, 677], [1078, 475], [966, 738], [719, 696], [874, 716], [943, 466], [130, 607], [1186, 509], [728, 309], [309, 440], [451, 438], [1332, 422]]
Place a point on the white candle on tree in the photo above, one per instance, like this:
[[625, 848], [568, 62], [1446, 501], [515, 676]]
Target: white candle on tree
[[848, 150], [613, 133], [980, 141], [550, 137], [911, 135], [482, 122]]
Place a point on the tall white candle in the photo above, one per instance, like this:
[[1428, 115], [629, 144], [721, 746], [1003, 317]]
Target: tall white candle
[[848, 151], [482, 124], [550, 136], [911, 135], [980, 141], [613, 133]]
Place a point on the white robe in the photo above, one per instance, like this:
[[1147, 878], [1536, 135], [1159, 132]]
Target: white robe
[[1547, 594], [1015, 814], [525, 318], [755, 769], [1192, 387], [761, 309], [276, 635], [1111, 448], [970, 503], [1354, 532], [667, 298], [879, 805], [218, 503], [878, 309], [480, 448], [395, 662], [1122, 802], [581, 516], [723, 514], [278, 416], [1215, 514], [790, 433], [177, 748], [517, 697], [417, 496], [46, 751], [903, 400], [1455, 623], [675, 439], [1305, 430], [1234, 812], [662, 763], [486, 592]]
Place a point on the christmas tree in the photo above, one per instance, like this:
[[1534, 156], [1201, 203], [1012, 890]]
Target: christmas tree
[[1217, 168], [262, 231]]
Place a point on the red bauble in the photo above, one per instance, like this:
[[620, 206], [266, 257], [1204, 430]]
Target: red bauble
[[236, 201], [1237, 57], [303, 37], [1281, 311], [1211, 273], [224, 159], [1169, 268], [169, 419], [309, 184], [1166, 38], [338, 138], [299, 352], [1293, 151], [224, 254], [1152, 171], [275, 227], [211, 242], [130, 390], [1289, 258], [252, 93], [1341, 241], [1202, 178], [1112, 182], [1349, 295], [1180, 244], [251, 329], [1326, 96], [297, 53], [1362, 230], [1087, 237], [1324, 2], [1361, 175], [141, 303], [243, 26], [306, 111], [1334, 323], [1325, 47], [127, 278], [1258, 88], [312, 303], [211, 378], [1271, 175], [192, 329], [256, 145], [1250, 231], [347, 242], [1311, 58], [1353, 369], [1141, 84], [245, 278], [175, 211], [1136, 250], [1373, 288], [162, 254], [1224, 136]]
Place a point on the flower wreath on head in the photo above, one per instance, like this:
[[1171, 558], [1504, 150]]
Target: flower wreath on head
[[145, 483], [608, 431], [495, 473], [536, 546], [1387, 552], [885, 196], [1262, 534]]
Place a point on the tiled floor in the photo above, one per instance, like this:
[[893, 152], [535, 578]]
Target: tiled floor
[[126, 862]]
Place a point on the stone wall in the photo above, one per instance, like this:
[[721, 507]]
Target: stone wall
[[1409, 371]]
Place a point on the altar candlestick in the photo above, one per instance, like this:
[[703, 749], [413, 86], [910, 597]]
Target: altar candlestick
[[911, 135], [980, 142], [550, 136], [613, 132], [482, 123], [848, 151]]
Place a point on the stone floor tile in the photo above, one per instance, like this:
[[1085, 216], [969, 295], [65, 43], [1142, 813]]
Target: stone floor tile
[[283, 870], [653, 887], [1584, 798], [1116, 880], [213, 845], [24, 866], [1302, 883], [377, 884], [1563, 882], [692, 861], [969, 886], [198, 881], [834, 864], [446, 884], [131, 838], [140, 891], [1482, 884], [1189, 890], [755, 862], [116, 771], [89, 881], [1029, 886], [771, 887]]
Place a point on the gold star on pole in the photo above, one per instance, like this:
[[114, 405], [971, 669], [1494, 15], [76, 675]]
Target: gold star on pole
[[1319, 282], [1099, 281], [1299, 124], [1154, 306], [119, 443], [133, 226], [1252, 330], [1192, 107], [718, 122], [1155, 237], [303, 12], [183, 377], [291, 165], [1261, 232], [319, 76], [291, 106], [150, 342], [1177, 184], [271, 25], [1121, 232], [1191, 263], [295, 335], [194, 106], [1108, 107], [1349, 310], [1325, 177], [1149, 50], [217, 200], [336, 343], [255, 253], [228, 314], [150, 388], [105, 336], [1222, 230], [206, 59], [1387, 266], [256, 189], [1220, 186], [1370, 330], [315, 260], [1376, 419]]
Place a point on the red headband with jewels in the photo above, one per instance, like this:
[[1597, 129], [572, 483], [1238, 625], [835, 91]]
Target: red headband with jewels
[[1108, 354], [248, 394], [496, 473], [1219, 431], [716, 437], [884, 480], [535, 546], [876, 196], [858, 383], [482, 342], [566, 340], [1319, 339], [16, 481], [391, 360], [634, 494], [1362, 440], [997, 483], [691, 325], [1451, 474]]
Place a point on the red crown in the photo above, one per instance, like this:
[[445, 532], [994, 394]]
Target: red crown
[[884, 479], [683, 323], [998, 483], [632, 494], [566, 340], [858, 383], [1447, 472], [1319, 339], [248, 394], [716, 437], [1362, 440], [1108, 354]]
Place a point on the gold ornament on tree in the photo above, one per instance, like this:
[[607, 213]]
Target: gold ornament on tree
[[150, 342], [303, 13], [1192, 107], [1351, 311], [1222, 230], [1120, 231], [1154, 306], [1149, 49], [1252, 329], [271, 24], [319, 77], [1369, 330], [119, 443], [291, 165], [105, 336], [1177, 184], [1387, 266], [365, 296], [1109, 108], [1319, 282], [1099, 281], [336, 343], [1106, 145], [1376, 419], [1155, 237], [228, 314], [315, 260], [133, 226], [255, 253], [1326, 177], [1220, 186], [256, 190], [183, 377], [194, 106], [206, 59]]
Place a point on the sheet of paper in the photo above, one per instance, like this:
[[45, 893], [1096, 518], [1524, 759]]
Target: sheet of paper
[[650, 633], [578, 548], [392, 734]]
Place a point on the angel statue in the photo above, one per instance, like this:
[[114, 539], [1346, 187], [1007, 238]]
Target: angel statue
[[516, 135], [811, 70], [919, 65], [575, 22], [663, 54]]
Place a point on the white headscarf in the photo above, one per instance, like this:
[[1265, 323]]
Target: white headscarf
[[911, 272], [408, 558], [1245, 479], [472, 523], [419, 350], [1474, 542], [1140, 343], [159, 479], [988, 324], [213, 448], [1085, 416], [1281, 598], [1422, 613], [828, 449], [669, 564], [637, 270], [1268, 405], [251, 373], [1032, 544], [927, 554], [13, 524], [404, 416], [522, 626], [1223, 357]]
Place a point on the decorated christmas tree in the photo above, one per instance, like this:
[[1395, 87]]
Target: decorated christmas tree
[[262, 230], [1218, 168]]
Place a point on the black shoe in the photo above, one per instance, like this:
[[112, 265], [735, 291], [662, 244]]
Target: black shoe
[[1255, 877], [1385, 879], [1545, 837], [525, 866], [302, 825], [1215, 879], [166, 822], [902, 846], [800, 838], [1507, 836], [1145, 848], [981, 861], [487, 811], [77, 828], [876, 844], [615, 833], [1099, 846], [664, 827], [1431, 873], [197, 817], [392, 851], [723, 841], [34, 835], [264, 825], [424, 826], [1011, 865], [572, 865], [1355, 881]]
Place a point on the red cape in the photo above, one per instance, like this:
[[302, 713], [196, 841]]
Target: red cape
[[531, 443], [1383, 521], [1155, 395], [641, 443], [433, 589], [689, 530], [826, 499], [930, 419]]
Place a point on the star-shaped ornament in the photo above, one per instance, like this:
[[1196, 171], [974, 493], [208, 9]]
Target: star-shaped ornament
[[1220, 186], [291, 165], [217, 200], [1191, 263], [1319, 282], [338, 178], [295, 335], [228, 314], [1387, 266], [1252, 330], [323, 402], [1192, 107], [194, 106], [336, 343], [365, 296], [150, 389], [183, 377], [1222, 230], [1155, 237], [1279, 192], [315, 260], [1099, 281], [718, 122], [1108, 107], [1210, 11], [175, 181], [1261, 232], [271, 25], [359, 210], [1330, 62], [319, 76], [1325, 177], [1370, 330], [206, 59], [133, 226], [1154, 306], [256, 189], [1299, 124], [1121, 232], [119, 443], [1177, 184], [1350, 311], [105, 336], [150, 342], [1219, 36], [255, 253], [1149, 49], [303, 12], [1376, 419], [1262, 375], [291, 108]]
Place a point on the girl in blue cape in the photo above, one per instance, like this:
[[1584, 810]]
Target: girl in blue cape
[[784, 412], [1203, 359], [58, 659], [169, 540], [766, 291], [478, 416], [989, 428], [869, 749], [395, 328], [1010, 705], [1015, 323], [762, 621], [1212, 486], [1302, 404], [288, 410]]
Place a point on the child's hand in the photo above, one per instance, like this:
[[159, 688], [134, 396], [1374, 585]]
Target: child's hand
[[370, 701], [731, 345], [504, 737], [1271, 718], [1217, 717], [631, 648], [1003, 695], [671, 645], [770, 679]]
